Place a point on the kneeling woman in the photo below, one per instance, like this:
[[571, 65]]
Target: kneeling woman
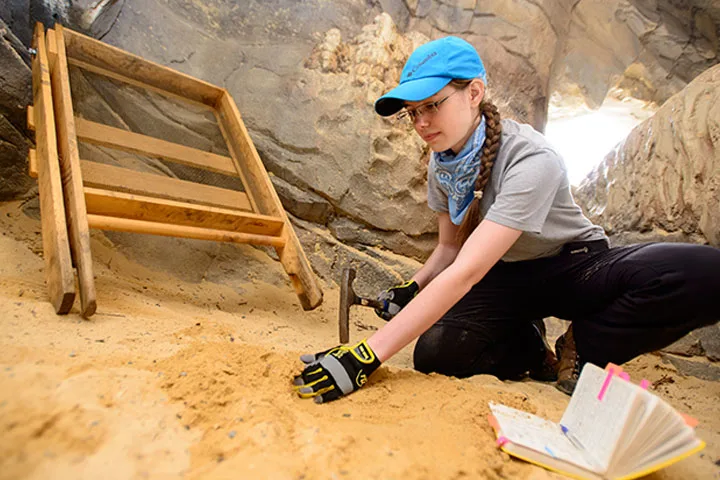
[[513, 248]]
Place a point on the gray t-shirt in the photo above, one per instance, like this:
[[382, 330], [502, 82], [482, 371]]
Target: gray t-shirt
[[528, 190]]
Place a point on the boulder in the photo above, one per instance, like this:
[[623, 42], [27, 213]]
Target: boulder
[[665, 176], [14, 178], [15, 15], [15, 79], [301, 203], [651, 49]]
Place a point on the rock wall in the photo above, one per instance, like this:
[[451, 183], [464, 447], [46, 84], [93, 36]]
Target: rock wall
[[649, 48], [517, 41], [664, 179], [305, 75], [15, 95]]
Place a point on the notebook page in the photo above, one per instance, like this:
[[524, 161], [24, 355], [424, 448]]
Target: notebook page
[[599, 425], [671, 456], [664, 422], [670, 447], [645, 435], [644, 418], [537, 434]]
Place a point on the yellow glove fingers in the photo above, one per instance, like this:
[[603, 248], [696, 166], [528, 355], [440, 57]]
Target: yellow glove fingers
[[312, 394], [298, 386]]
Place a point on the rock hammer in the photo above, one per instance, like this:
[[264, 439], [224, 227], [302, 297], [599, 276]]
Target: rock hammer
[[349, 298]]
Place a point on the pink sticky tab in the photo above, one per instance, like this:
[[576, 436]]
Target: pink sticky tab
[[689, 421], [501, 441], [625, 376], [606, 384], [644, 384]]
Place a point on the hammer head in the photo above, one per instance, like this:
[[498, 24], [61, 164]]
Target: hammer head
[[347, 299]]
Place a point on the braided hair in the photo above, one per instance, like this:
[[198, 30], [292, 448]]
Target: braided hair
[[493, 130]]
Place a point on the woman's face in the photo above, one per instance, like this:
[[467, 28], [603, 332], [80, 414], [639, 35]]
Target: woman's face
[[454, 120]]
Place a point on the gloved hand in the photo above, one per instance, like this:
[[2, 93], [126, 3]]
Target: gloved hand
[[336, 372], [395, 298]]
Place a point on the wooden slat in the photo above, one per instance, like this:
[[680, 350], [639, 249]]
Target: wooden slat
[[32, 163], [122, 78], [237, 160], [56, 247], [169, 230], [113, 59], [110, 177], [99, 134], [138, 207], [31, 118], [70, 171], [258, 184]]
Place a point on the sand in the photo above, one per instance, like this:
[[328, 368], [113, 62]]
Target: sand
[[175, 378]]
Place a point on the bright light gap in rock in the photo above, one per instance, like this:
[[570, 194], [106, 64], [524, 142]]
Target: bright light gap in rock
[[584, 137]]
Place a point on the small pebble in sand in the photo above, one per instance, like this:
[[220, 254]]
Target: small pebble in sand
[[72, 354], [232, 434], [183, 374]]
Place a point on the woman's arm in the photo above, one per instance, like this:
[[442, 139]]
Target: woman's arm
[[444, 254], [485, 246]]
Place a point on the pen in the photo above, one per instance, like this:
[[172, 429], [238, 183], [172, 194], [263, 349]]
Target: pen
[[577, 444]]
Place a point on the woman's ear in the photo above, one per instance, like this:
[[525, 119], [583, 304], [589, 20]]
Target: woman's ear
[[477, 92]]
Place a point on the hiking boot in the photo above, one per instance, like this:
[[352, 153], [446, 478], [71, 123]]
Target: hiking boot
[[569, 365], [547, 369]]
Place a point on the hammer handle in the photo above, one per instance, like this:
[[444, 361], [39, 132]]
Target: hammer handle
[[370, 302]]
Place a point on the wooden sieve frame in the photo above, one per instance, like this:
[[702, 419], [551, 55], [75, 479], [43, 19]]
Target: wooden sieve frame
[[113, 198]]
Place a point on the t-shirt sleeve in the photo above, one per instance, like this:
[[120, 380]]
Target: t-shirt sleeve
[[437, 198], [528, 190]]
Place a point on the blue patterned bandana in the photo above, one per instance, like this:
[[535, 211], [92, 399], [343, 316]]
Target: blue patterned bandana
[[457, 173]]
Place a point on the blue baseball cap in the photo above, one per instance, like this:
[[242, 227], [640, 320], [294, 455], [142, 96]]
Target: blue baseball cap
[[430, 67]]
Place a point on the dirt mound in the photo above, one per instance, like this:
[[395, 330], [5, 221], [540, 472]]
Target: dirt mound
[[177, 378]]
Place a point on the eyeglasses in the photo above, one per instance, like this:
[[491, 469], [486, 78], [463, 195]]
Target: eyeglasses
[[431, 108]]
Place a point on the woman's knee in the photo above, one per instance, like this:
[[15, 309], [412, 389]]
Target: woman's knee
[[462, 352], [429, 355]]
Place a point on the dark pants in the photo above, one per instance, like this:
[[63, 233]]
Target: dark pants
[[623, 302]]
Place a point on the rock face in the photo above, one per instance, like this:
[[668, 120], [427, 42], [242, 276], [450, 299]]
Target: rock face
[[663, 184], [649, 48], [664, 179], [305, 76], [15, 95], [517, 41], [306, 90]]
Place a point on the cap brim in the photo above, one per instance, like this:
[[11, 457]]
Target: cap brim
[[412, 91]]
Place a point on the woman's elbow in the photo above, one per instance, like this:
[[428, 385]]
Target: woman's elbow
[[464, 275]]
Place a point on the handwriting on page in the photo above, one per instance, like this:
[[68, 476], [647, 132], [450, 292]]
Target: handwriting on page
[[537, 433], [598, 423]]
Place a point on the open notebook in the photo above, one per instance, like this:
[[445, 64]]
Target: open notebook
[[611, 429]]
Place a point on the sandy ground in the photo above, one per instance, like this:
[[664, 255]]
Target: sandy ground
[[173, 378]]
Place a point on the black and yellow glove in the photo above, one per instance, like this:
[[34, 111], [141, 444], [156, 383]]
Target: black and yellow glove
[[336, 372], [395, 298]]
